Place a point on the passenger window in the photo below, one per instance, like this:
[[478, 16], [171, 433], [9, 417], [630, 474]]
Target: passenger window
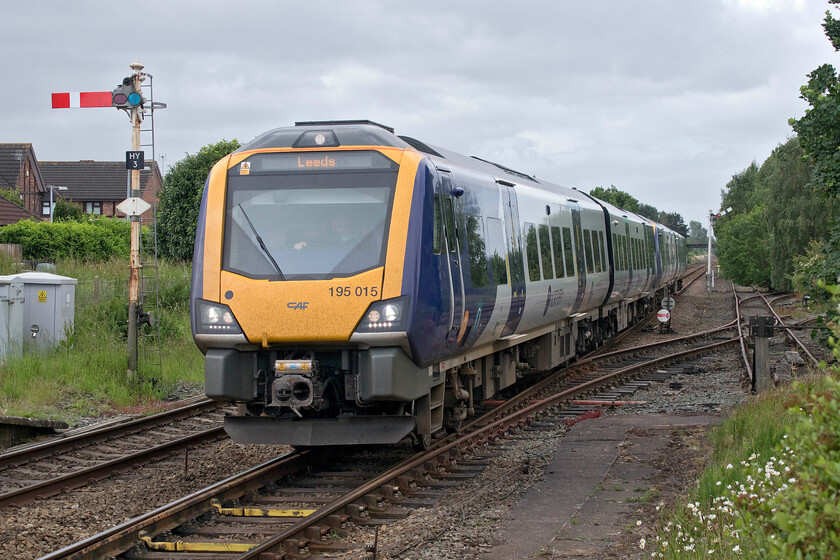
[[621, 264], [545, 253], [450, 225], [587, 250], [596, 248], [477, 251], [496, 250], [616, 262], [532, 252], [625, 245], [437, 226], [604, 261], [567, 252], [558, 251]]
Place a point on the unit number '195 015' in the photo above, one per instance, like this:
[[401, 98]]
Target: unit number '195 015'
[[358, 291]]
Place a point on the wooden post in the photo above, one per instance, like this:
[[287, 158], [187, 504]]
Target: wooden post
[[136, 114], [762, 330]]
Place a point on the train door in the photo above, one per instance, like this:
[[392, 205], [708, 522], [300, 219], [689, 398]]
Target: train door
[[658, 254], [577, 232], [452, 247], [628, 247], [515, 262]]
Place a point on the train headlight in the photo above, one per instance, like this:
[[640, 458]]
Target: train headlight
[[215, 318], [388, 315], [391, 312]]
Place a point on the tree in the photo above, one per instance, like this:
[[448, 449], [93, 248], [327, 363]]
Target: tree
[[741, 251], [697, 234], [820, 264], [66, 210], [673, 221], [818, 131], [648, 211], [616, 197], [743, 192], [795, 217], [181, 197]]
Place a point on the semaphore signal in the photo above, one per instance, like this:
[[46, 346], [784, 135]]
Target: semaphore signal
[[127, 96], [75, 99]]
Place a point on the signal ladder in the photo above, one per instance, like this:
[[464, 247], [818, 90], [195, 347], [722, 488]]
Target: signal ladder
[[149, 339]]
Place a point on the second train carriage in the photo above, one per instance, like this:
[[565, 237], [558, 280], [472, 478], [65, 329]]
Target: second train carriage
[[352, 286]]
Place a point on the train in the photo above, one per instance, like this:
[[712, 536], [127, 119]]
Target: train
[[351, 286]]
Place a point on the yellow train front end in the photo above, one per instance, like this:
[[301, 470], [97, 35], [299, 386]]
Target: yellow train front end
[[297, 296]]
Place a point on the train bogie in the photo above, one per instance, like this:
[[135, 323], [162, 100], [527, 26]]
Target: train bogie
[[351, 286]]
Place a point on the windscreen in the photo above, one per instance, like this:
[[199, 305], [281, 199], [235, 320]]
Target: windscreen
[[320, 215]]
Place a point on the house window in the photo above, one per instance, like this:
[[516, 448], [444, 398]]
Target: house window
[[93, 208], [45, 207]]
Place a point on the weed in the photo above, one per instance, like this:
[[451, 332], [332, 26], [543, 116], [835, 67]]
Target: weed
[[85, 375]]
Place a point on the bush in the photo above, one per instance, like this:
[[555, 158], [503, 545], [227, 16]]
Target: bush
[[803, 519], [97, 239], [819, 265], [742, 252], [67, 210]]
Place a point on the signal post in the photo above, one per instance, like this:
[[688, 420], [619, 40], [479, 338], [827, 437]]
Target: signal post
[[134, 260], [129, 97]]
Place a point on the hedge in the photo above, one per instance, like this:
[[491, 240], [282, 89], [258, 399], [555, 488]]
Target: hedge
[[96, 239]]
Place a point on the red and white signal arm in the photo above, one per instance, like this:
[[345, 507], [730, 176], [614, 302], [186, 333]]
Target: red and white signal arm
[[75, 99], [663, 315]]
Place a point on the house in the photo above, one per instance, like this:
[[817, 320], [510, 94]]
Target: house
[[19, 172], [98, 186], [11, 213]]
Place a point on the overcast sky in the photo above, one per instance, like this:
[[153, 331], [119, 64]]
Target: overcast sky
[[663, 99]]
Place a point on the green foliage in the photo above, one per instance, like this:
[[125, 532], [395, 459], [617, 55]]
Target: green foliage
[[648, 211], [793, 218], [616, 197], [803, 515], [743, 503], [87, 373], [181, 197], [697, 234], [820, 265], [96, 239], [67, 210], [625, 201], [772, 488], [12, 195], [743, 192], [674, 221], [818, 130], [742, 255]]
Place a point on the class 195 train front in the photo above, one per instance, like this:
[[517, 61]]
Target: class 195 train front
[[297, 297]]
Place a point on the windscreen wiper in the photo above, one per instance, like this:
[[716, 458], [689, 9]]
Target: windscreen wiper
[[262, 244]]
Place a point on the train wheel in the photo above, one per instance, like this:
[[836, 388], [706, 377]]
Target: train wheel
[[421, 442]]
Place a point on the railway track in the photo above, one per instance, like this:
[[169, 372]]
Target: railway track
[[46, 469], [788, 346], [295, 506]]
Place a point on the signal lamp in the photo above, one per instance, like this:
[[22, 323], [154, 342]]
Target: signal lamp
[[125, 95]]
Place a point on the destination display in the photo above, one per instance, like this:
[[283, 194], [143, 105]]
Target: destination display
[[313, 161]]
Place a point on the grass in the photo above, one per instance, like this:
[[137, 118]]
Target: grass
[[747, 446], [87, 373]]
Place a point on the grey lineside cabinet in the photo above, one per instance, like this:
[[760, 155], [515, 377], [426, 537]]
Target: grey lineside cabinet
[[37, 309]]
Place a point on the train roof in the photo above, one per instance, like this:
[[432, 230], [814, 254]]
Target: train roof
[[331, 134]]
